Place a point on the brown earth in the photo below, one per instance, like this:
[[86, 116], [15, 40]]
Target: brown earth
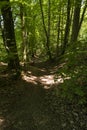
[[30, 103]]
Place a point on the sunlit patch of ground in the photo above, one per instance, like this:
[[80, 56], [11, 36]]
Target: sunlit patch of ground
[[47, 80], [31, 79], [46, 76], [2, 121], [25, 105], [3, 64]]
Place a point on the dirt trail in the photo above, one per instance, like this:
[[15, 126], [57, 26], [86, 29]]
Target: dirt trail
[[30, 103], [42, 74]]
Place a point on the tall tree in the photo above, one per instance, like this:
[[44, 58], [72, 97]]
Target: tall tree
[[82, 16], [67, 28], [9, 36], [76, 19], [24, 32], [47, 31]]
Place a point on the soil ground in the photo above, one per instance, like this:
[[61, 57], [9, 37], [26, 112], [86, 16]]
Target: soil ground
[[30, 103]]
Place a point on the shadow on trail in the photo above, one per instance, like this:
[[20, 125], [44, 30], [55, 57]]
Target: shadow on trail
[[21, 105], [26, 105]]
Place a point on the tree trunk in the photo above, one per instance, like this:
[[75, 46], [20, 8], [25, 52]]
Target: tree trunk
[[82, 17], [76, 19], [2, 33], [58, 34], [9, 37], [24, 33], [47, 32], [67, 28]]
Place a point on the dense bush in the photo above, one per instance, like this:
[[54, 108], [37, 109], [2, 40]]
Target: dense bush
[[74, 74]]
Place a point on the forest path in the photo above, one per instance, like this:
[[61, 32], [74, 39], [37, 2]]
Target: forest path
[[30, 103], [44, 74]]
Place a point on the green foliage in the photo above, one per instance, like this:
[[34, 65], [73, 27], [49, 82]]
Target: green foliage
[[3, 54], [74, 74]]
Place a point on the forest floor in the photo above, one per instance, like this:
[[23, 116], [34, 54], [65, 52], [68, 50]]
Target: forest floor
[[30, 103]]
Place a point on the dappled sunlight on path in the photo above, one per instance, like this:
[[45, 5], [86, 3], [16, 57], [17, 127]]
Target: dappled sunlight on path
[[29, 103], [31, 79], [2, 120], [42, 76]]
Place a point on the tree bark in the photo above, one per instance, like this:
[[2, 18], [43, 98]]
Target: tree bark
[[67, 28], [82, 17], [76, 19], [47, 32], [58, 34], [9, 36], [24, 33]]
